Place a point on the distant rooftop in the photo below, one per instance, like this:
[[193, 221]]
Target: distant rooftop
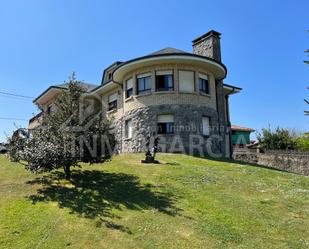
[[239, 128]]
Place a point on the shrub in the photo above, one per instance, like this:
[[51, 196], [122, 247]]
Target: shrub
[[303, 142], [279, 139]]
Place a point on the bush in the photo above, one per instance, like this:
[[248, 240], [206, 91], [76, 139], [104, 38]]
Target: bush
[[303, 142], [279, 139]]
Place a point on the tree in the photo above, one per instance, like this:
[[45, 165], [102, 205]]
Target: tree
[[16, 144], [72, 132], [306, 101], [279, 139], [303, 142]]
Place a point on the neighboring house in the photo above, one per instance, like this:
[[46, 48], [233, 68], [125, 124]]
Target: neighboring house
[[45, 101], [169, 92], [240, 135]]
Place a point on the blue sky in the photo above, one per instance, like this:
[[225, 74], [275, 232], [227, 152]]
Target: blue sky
[[263, 45]]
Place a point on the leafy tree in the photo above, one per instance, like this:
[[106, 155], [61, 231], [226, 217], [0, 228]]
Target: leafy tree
[[303, 142], [16, 144], [279, 139], [72, 132], [306, 101]]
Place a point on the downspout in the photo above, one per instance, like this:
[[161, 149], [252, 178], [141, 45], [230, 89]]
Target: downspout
[[227, 107], [121, 123], [217, 106]]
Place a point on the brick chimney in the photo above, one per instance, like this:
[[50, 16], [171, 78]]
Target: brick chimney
[[208, 45]]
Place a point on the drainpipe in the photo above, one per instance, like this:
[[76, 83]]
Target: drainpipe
[[227, 108]]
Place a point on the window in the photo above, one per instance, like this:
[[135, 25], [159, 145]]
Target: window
[[129, 87], [186, 81], [143, 83], [206, 126], [49, 109], [128, 129], [165, 124], [109, 76], [164, 81], [204, 85], [112, 101]]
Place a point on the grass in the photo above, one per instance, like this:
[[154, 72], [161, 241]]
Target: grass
[[185, 202]]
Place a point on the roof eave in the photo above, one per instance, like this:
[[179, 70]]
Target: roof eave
[[46, 91], [176, 55], [232, 89]]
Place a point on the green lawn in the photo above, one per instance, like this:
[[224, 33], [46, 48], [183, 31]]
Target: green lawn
[[185, 202]]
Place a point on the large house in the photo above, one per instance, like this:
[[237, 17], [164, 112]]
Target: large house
[[177, 95]]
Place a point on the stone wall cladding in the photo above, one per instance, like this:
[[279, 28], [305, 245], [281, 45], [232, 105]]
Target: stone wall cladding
[[187, 121], [291, 162], [209, 47]]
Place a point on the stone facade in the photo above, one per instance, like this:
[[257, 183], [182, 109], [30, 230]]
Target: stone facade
[[187, 122]]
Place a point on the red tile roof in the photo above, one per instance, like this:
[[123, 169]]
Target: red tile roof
[[239, 128]]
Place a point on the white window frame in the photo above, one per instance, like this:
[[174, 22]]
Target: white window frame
[[112, 98], [128, 129], [170, 74], [129, 86], [206, 126], [146, 90], [166, 119], [204, 77]]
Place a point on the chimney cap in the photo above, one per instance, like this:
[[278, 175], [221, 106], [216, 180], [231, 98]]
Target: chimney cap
[[209, 33]]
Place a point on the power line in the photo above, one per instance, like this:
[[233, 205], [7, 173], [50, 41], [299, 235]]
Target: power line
[[16, 95], [13, 119], [14, 98]]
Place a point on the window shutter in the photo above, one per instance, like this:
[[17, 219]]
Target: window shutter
[[112, 97], [206, 126], [166, 118], [203, 76], [129, 83], [143, 75], [186, 81], [166, 72]]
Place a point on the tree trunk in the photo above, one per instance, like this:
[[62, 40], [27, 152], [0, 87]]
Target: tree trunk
[[67, 172]]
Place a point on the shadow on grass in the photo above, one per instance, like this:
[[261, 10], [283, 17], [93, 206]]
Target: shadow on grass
[[94, 193]]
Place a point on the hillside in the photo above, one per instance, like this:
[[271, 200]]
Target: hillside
[[185, 202]]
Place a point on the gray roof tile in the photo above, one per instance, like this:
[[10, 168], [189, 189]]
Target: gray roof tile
[[169, 51]]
